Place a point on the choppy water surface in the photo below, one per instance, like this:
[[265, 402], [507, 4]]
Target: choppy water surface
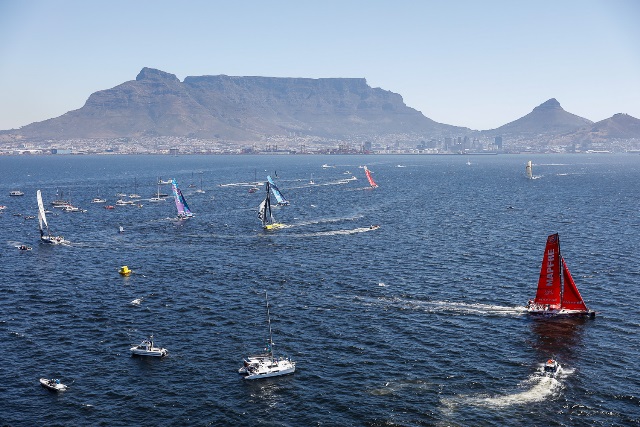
[[420, 322]]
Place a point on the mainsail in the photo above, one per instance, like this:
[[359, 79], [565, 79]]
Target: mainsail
[[277, 193], [181, 203], [264, 210], [528, 170], [370, 178], [549, 283], [42, 218]]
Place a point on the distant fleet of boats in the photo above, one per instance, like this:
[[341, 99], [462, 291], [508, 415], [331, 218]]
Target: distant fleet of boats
[[557, 294]]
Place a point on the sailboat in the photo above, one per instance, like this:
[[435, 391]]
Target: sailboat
[[528, 170], [557, 293], [42, 220], [135, 194], [370, 178], [311, 181], [158, 197], [277, 193], [265, 214], [266, 365], [200, 190], [183, 208]]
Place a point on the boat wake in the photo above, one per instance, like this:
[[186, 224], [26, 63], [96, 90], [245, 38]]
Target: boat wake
[[335, 232], [457, 308], [396, 387], [535, 389], [326, 221]]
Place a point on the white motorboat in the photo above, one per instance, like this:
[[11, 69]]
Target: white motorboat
[[551, 368], [16, 193], [99, 200], [70, 208], [146, 348], [121, 202], [266, 365], [52, 384]]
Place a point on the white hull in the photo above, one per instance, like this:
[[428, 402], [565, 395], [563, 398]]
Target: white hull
[[155, 352], [53, 240], [267, 370], [52, 385]]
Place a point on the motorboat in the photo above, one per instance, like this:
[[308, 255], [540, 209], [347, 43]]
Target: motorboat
[[99, 200], [24, 248], [121, 202], [52, 384], [16, 193], [70, 208], [551, 368], [146, 348], [109, 207]]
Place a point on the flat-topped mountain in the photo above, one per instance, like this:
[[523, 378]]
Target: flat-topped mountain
[[157, 103]]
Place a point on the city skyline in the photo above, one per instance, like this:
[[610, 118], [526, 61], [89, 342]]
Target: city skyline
[[477, 65]]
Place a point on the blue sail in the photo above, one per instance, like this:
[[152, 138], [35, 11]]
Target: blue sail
[[277, 193]]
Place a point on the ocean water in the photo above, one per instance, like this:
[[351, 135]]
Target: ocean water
[[420, 322]]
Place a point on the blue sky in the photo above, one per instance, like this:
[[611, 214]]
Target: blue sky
[[479, 64]]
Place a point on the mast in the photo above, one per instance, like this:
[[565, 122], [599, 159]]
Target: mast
[[269, 322]]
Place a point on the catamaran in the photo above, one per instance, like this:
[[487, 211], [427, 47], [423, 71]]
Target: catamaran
[[265, 214], [277, 193], [42, 220], [183, 208], [266, 364], [372, 183], [557, 293], [528, 170]]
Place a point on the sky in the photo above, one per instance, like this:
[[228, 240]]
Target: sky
[[478, 64]]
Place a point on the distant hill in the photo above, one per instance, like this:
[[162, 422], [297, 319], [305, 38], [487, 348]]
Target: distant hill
[[244, 109], [548, 118]]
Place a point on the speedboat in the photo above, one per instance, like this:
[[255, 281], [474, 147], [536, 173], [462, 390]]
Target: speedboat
[[121, 202], [99, 200], [146, 348], [24, 248], [551, 368], [52, 384], [16, 193]]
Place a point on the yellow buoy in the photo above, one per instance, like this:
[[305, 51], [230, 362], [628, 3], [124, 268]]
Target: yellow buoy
[[124, 270]]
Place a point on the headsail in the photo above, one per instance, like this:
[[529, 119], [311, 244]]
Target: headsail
[[277, 193], [181, 203], [370, 178], [528, 170], [571, 298], [42, 218], [549, 282]]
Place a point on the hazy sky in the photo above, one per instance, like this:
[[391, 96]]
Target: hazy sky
[[472, 63]]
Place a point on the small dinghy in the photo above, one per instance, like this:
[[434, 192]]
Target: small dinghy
[[146, 348], [52, 384], [551, 368]]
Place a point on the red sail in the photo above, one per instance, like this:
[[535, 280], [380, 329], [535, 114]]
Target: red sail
[[571, 299], [370, 178], [549, 281]]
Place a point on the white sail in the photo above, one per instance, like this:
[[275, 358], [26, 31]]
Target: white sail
[[529, 171], [42, 218]]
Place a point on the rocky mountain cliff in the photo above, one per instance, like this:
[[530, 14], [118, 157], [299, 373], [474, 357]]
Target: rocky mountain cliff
[[238, 109]]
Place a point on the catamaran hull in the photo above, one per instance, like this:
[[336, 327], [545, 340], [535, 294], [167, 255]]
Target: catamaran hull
[[270, 374]]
